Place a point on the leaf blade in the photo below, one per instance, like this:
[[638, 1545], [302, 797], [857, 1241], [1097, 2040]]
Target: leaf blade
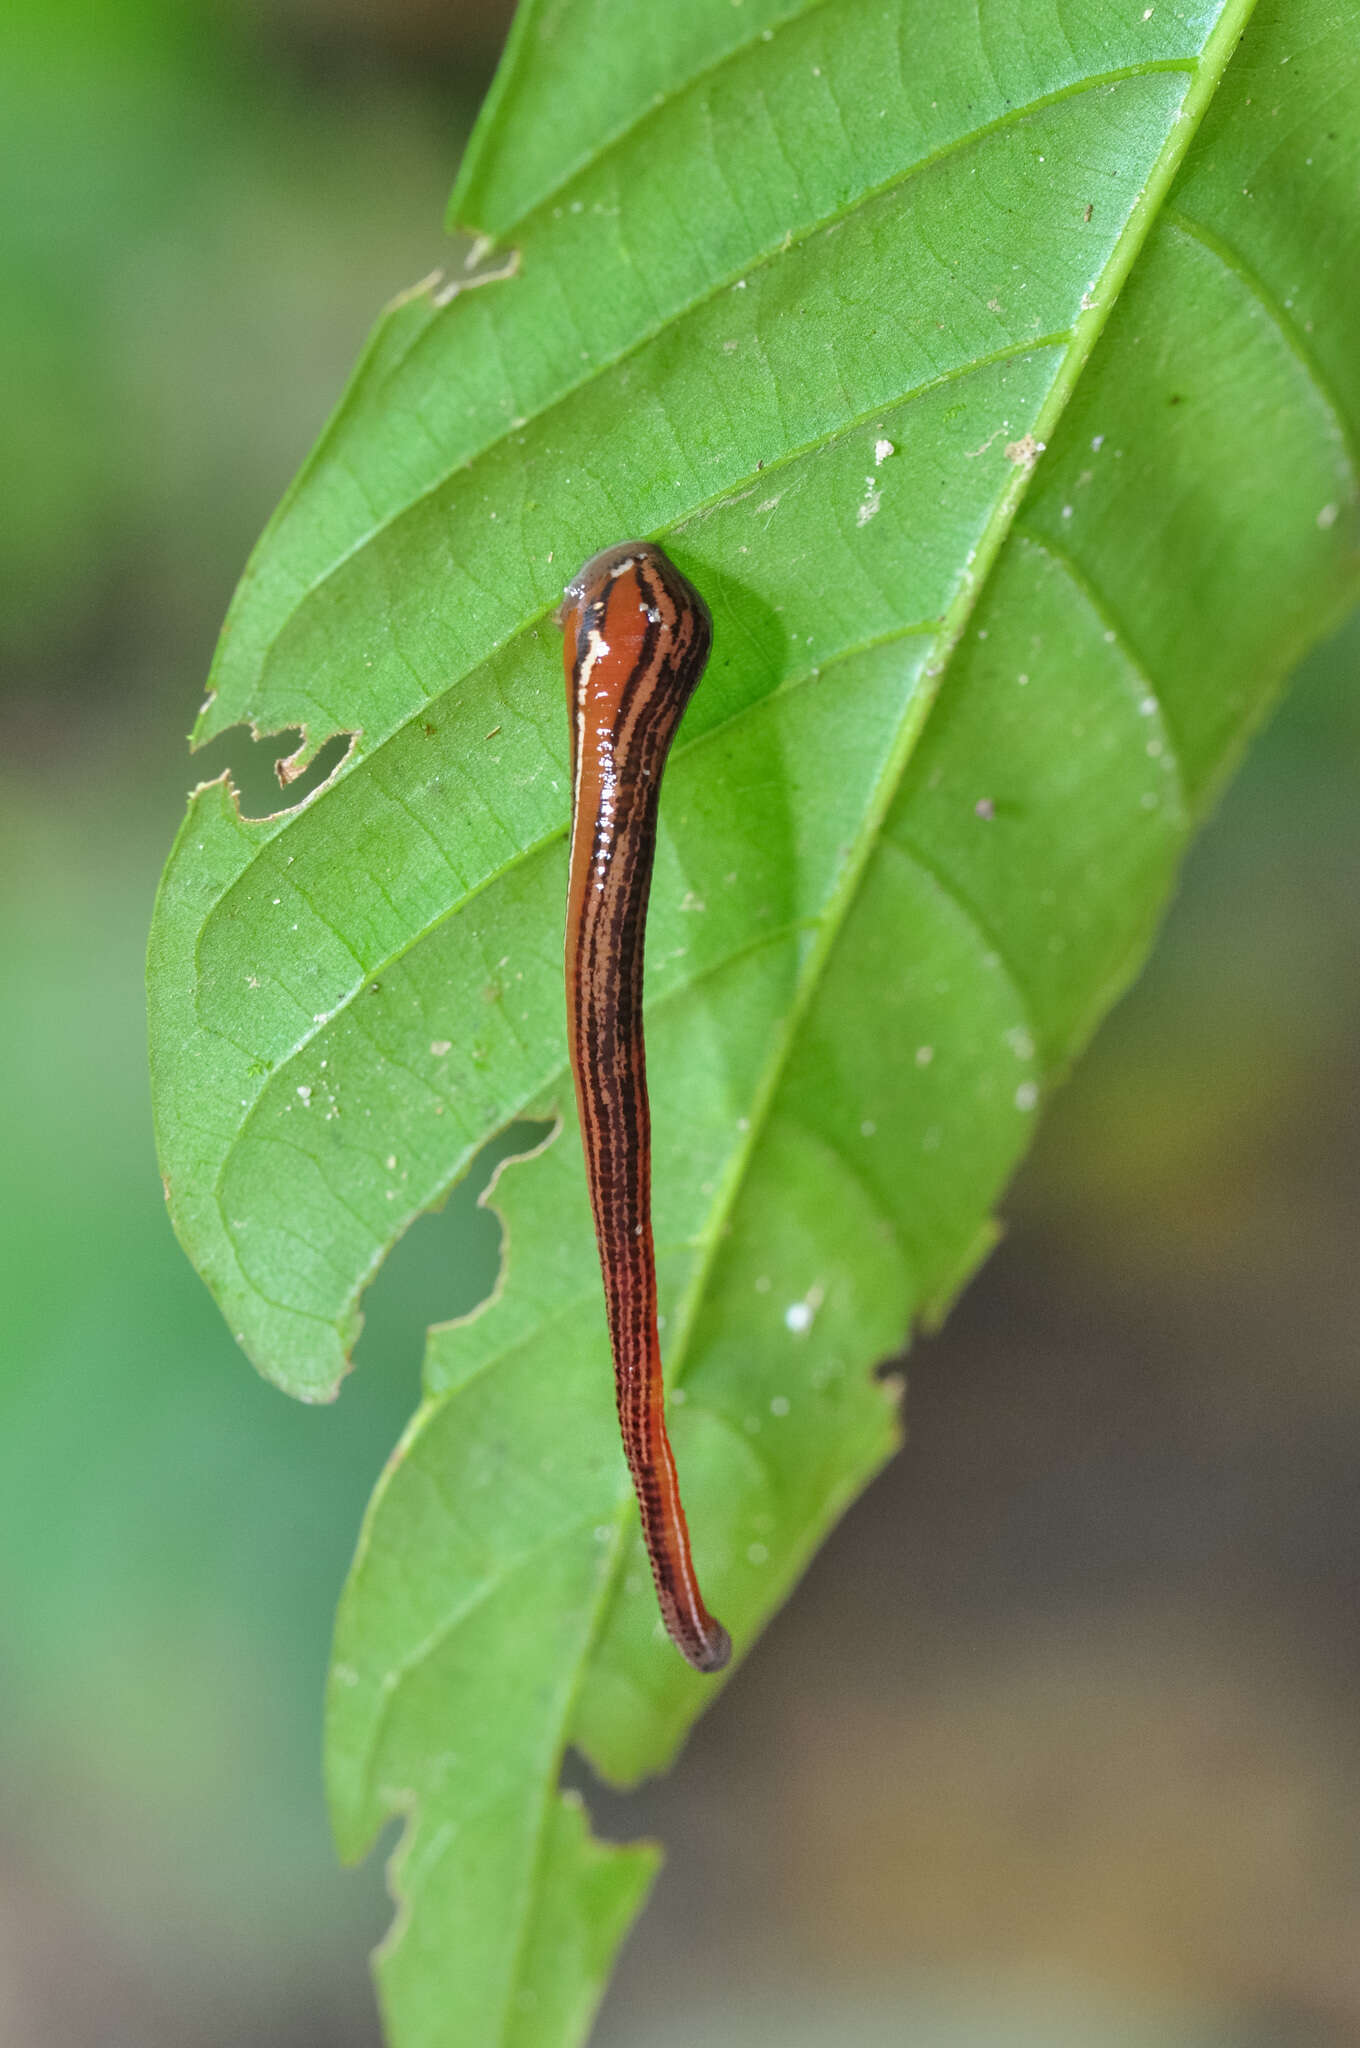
[[959, 879]]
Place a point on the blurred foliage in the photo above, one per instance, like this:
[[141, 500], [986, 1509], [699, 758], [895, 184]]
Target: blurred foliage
[[195, 239], [200, 218]]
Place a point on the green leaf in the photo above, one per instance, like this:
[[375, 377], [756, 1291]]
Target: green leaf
[[801, 290]]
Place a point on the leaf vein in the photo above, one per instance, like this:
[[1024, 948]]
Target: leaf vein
[[919, 167], [1102, 611], [1289, 330]]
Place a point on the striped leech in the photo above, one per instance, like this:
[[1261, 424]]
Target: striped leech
[[636, 637]]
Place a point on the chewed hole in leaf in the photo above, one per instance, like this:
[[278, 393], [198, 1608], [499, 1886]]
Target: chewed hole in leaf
[[446, 1265], [257, 767]]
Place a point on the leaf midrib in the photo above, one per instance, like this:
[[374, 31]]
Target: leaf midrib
[[1227, 29], [844, 896]]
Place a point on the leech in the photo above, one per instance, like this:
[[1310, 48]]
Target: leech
[[635, 640]]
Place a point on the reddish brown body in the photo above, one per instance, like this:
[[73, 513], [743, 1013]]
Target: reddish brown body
[[636, 638]]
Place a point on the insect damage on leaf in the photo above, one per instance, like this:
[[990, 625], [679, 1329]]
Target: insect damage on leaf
[[252, 768]]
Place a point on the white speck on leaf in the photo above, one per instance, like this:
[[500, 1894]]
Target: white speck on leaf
[[798, 1316]]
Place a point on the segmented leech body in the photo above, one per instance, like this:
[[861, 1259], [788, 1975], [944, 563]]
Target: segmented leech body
[[636, 638]]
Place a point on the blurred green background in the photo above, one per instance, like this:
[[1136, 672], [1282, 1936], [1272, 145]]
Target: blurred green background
[[1059, 1740]]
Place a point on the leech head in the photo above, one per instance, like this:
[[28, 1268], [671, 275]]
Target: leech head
[[632, 601], [596, 574]]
